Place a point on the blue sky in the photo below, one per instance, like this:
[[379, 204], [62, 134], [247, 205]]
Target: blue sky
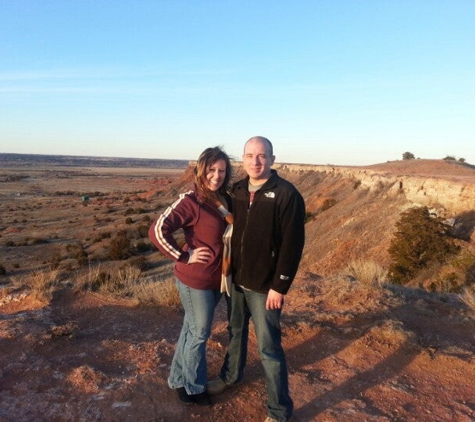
[[328, 82]]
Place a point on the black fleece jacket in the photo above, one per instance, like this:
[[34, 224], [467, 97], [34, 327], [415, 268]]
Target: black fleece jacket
[[269, 236]]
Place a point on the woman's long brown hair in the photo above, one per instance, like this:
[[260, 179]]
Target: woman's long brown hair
[[207, 158]]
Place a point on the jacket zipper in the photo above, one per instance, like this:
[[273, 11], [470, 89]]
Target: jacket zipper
[[256, 194]]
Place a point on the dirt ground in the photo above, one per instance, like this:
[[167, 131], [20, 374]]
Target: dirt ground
[[354, 353]]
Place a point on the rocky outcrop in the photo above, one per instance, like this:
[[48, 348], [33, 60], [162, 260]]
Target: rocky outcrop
[[454, 195]]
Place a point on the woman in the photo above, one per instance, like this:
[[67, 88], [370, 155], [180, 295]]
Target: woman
[[202, 213]]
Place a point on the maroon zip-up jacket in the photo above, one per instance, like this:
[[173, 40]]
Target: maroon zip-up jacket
[[203, 225]]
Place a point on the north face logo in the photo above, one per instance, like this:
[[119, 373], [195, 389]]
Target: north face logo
[[269, 195]]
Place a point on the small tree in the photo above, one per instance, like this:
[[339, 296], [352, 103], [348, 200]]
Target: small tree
[[408, 156], [449, 158], [420, 239]]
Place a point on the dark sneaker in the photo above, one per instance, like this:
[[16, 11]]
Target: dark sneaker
[[201, 399], [184, 397], [216, 386]]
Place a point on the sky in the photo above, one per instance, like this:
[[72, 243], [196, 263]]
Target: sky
[[328, 82]]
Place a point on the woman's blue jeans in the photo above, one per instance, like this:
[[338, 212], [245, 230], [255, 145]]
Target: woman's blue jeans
[[189, 368], [244, 305]]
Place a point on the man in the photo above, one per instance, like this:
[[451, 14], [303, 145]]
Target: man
[[266, 247]]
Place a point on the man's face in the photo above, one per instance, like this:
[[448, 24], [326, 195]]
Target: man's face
[[257, 160]]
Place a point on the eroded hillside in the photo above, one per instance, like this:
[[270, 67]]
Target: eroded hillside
[[354, 209], [356, 352]]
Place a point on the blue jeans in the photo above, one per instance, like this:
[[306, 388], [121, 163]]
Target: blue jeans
[[244, 305], [189, 361]]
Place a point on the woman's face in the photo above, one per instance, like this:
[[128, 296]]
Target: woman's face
[[215, 175]]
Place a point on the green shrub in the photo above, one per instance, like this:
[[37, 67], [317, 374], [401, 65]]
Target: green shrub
[[420, 240]]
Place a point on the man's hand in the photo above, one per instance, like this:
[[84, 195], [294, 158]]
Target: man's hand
[[275, 300], [199, 255]]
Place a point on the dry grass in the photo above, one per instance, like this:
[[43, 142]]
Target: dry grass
[[367, 272], [468, 296], [42, 284], [343, 295], [127, 282], [389, 333], [162, 292]]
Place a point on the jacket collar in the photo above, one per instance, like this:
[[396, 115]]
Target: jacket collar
[[270, 183]]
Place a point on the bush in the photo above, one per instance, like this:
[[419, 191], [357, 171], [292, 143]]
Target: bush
[[101, 236], [3, 271], [37, 241], [408, 156], [77, 251], [143, 247], [120, 247], [328, 203], [143, 231], [308, 217], [420, 240], [139, 262], [55, 261]]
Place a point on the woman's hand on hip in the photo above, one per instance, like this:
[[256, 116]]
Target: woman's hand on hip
[[199, 255]]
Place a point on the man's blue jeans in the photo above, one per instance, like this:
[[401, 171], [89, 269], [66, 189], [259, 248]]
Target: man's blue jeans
[[244, 305], [189, 361]]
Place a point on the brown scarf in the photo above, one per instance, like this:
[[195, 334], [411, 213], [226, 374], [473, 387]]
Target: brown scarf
[[226, 268]]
